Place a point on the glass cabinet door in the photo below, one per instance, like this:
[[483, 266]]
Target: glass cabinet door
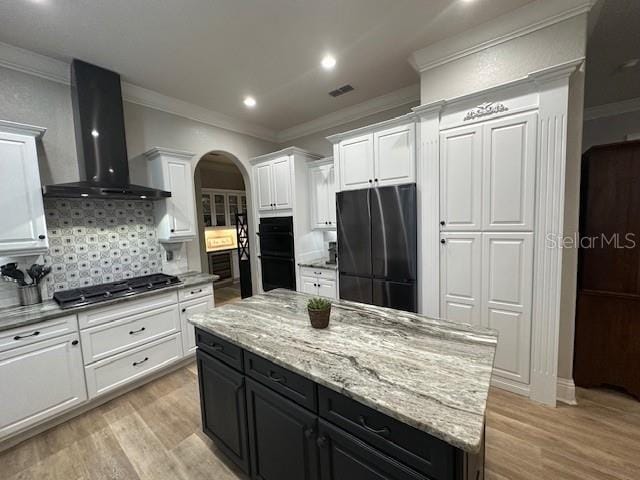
[[243, 204], [206, 210], [233, 208], [220, 209]]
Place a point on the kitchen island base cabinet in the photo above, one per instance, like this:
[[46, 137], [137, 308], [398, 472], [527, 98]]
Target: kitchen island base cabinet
[[224, 413], [281, 436]]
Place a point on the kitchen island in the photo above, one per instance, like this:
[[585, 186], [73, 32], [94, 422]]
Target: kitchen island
[[379, 394]]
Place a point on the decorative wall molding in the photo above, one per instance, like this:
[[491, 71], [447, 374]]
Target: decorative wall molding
[[612, 109], [22, 128], [373, 127], [522, 21], [398, 98], [484, 109], [567, 391], [32, 63]]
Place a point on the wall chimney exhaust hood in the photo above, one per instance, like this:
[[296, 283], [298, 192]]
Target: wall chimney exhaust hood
[[98, 118]]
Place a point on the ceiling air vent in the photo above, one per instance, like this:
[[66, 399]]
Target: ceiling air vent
[[341, 91]]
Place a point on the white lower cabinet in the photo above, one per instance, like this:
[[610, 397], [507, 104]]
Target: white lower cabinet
[[188, 331], [39, 381], [118, 370], [319, 282]]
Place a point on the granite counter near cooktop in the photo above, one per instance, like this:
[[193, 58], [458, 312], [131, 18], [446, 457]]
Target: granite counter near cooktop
[[431, 374], [19, 316]]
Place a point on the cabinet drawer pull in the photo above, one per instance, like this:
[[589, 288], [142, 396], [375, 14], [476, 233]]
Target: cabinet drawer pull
[[308, 433], [321, 441], [384, 431], [216, 347], [135, 364], [184, 310], [193, 292], [277, 378], [34, 334], [133, 332]]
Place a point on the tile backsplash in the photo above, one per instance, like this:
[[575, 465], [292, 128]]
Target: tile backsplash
[[94, 241]]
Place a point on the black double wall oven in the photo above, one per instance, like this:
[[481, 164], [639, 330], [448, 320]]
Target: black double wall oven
[[277, 256]]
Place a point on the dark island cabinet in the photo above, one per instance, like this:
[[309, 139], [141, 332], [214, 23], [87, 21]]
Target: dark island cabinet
[[344, 457], [281, 436], [223, 406], [278, 425]]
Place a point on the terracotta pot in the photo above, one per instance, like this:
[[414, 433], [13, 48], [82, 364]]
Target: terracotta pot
[[319, 318]]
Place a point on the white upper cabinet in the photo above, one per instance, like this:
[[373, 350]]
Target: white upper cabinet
[[323, 196], [386, 155], [172, 170], [509, 169], [24, 229], [274, 184], [461, 179], [394, 155], [356, 162]]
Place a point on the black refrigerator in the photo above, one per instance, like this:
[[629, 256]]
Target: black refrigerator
[[377, 246]]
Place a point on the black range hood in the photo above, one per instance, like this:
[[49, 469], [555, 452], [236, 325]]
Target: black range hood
[[98, 118]]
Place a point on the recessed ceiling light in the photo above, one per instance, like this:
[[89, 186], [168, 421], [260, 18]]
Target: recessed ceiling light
[[631, 63], [250, 102], [328, 62]]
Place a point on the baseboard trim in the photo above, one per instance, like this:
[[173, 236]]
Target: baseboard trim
[[566, 391], [510, 386], [23, 435]]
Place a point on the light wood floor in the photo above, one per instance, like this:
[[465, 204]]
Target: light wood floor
[[226, 294]]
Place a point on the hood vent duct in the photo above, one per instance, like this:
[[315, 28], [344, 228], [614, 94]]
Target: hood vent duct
[[98, 118]]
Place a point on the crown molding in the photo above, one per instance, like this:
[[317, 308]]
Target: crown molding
[[407, 117], [522, 21], [611, 109], [171, 152], [22, 128], [32, 63], [397, 98], [286, 151]]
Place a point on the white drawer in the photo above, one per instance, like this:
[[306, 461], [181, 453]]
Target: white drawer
[[198, 291], [125, 308], [36, 332], [318, 272], [113, 372], [119, 335]]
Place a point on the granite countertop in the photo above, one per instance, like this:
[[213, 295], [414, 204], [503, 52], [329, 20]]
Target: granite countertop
[[431, 374], [320, 263], [19, 316]]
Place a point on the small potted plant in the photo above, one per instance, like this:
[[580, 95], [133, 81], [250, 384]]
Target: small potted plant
[[319, 312]]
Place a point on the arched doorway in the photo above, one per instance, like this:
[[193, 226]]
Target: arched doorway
[[222, 190]]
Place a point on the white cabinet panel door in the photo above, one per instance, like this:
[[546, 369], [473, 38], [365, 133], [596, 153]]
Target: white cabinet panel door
[[181, 206], [331, 192], [509, 170], [264, 186], [22, 213], [507, 267], [39, 381], [327, 288], [319, 197], [394, 155], [460, 277], [188, 330], [461, 179], [309, 285], [356, 162], [281, 174]]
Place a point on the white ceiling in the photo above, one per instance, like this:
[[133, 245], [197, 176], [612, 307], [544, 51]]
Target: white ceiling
[[214, 52], [614, 39]]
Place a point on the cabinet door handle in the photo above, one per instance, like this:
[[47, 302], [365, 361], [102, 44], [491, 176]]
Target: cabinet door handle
[[74, 343], [277, 378], [384, 431], [34, 334], [375, 180], [184, 310], [308, 433], [443, 223], [173, 230], [41, 237], [133, 332], [370, 181], [135, 364], [321, 441], [443, 241]]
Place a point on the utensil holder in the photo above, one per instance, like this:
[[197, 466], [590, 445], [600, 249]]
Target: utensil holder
[[29, 295]]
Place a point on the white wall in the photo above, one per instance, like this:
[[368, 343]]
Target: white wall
[[33, 100], [611, 129]]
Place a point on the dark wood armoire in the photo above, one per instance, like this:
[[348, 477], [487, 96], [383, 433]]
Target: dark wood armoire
[[607, 337]]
